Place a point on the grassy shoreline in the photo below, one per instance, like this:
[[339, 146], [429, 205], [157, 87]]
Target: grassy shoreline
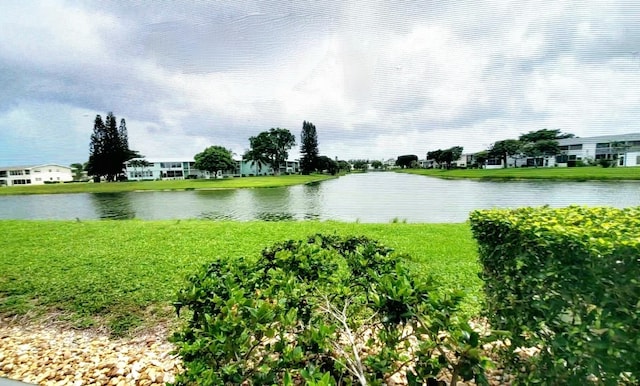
[[111, 187], [124, 274], [569, 174]]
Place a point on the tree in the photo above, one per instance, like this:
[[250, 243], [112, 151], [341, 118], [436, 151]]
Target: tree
[[505, 148], [109, 148], [326, 163], [544, 135], [272, 146], [257, 160], [77, 169], [451, 154], [542, 143], [360, 164], [308, 148], [343, 166], [139, 163], [376, 164], [480, 158], [404, 161], [436, 156], [213, 159], [540, 149]]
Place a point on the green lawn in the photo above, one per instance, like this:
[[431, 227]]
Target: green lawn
[[575, 174], [123, 274], [226, 183]]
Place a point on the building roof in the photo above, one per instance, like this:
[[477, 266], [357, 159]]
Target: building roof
[[23, 167], [600, 138]]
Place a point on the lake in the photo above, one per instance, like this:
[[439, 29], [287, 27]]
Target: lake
[[376, 197]]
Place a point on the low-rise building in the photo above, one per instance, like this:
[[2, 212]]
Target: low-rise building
[[624, 149], [180, 169], [34, 174]]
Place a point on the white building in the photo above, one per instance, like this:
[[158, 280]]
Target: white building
[[624, 148], [34, 174], [180, 169]]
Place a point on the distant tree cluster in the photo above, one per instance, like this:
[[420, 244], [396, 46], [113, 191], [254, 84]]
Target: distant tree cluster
[[534, 144], [445, 158], [405, 161], [271, 147], [109, 148]]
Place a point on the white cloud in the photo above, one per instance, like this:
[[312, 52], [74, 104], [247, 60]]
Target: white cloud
[[376, 78]]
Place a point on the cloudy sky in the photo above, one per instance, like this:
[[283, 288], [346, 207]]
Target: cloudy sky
[[377, 78]]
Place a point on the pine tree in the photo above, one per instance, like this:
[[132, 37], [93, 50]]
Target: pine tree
[[309, 148], [109, 148]]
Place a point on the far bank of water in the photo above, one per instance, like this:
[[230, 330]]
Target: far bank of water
[[369, 197]]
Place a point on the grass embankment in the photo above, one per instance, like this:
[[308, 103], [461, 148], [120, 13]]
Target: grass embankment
[[125, 274], [573, 174], [110, 187]]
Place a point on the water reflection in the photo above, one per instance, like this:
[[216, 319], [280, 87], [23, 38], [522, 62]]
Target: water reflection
[[367, 197], [113, 206], [217, 216]]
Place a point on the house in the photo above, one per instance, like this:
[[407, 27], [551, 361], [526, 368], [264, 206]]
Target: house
[[180, 169], [34, 174]]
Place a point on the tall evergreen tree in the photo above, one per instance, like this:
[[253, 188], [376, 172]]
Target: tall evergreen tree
[[309, 148], [109, 148]]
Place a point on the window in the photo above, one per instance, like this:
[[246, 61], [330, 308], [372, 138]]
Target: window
[[141, 174], [37, 171], [564, 147], [575, 147], [638, 160], [3, 173], [602, 145], [21, 182], [170, 165], [15, 172], [174, 173], [38, 179], [27, 172]]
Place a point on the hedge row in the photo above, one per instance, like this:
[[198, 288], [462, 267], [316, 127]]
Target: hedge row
[[564, 282]]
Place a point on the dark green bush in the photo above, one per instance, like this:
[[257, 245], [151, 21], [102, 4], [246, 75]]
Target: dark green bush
[[323, 311], [566, 283]]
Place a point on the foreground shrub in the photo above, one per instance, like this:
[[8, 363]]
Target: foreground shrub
[[566, 283], [323, 311]]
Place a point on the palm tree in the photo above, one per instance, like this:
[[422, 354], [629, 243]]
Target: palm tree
[[77, 168], [144, 164], [257, 160]]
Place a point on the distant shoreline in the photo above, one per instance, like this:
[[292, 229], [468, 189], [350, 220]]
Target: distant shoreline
[[168, 185], [590, 173]]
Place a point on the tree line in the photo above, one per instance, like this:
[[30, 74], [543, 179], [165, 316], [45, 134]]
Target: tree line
[[109, 152], [534, 144]]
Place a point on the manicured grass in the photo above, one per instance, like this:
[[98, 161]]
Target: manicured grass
[[226, 183], [575, 174], [122, 274]]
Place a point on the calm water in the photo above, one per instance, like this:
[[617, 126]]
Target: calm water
[[370, 197]]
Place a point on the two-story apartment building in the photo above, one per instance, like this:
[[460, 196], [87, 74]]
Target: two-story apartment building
[[624, 148], [34, 174], [179, 169]]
